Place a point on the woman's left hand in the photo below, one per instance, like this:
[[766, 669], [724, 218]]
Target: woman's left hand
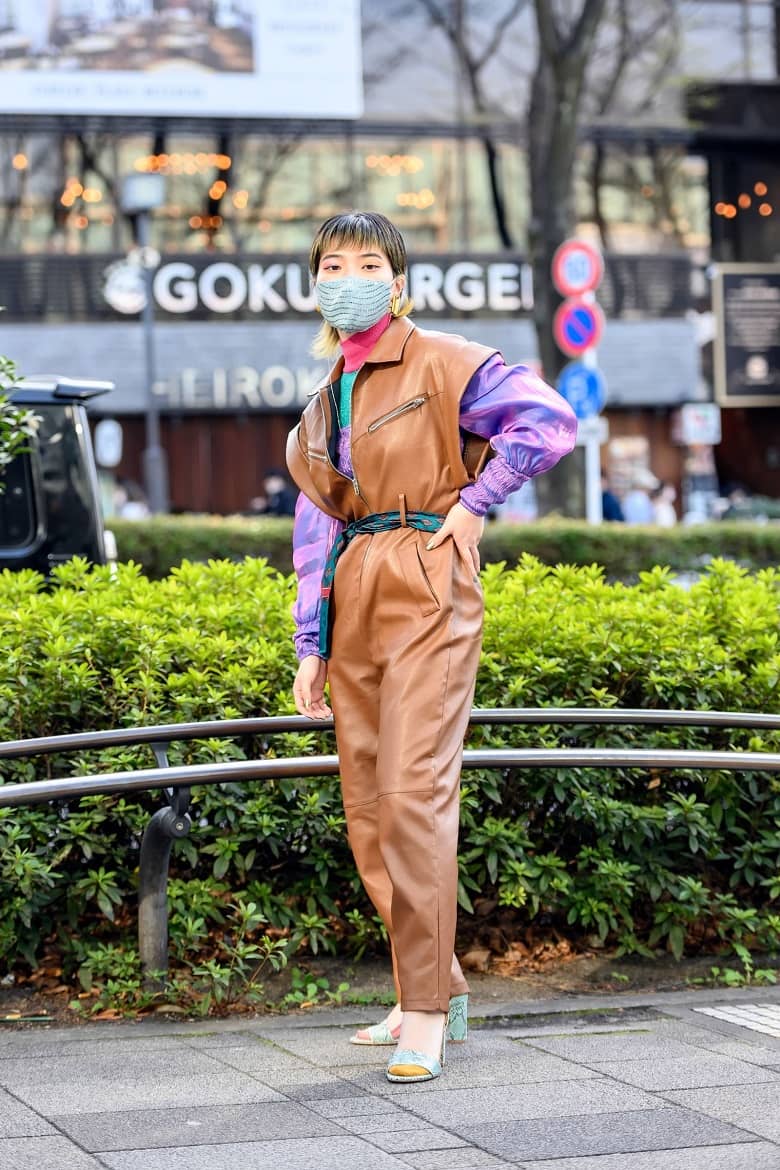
[[466, 531]]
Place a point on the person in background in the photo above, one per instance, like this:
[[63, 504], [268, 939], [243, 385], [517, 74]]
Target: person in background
[[637, 505], [279, 496], [664, 511], [391, 459], [610, 504]]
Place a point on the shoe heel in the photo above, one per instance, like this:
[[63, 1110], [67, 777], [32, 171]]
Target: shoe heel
[[458, 1019]]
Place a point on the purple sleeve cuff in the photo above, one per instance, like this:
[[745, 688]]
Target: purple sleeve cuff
[[495, 484], [306, 643], [313, 535]]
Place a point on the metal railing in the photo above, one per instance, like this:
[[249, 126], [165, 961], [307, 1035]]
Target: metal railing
[[173, 820]]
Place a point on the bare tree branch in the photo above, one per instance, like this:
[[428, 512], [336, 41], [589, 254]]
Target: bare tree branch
[[498, 33], [550, 41]]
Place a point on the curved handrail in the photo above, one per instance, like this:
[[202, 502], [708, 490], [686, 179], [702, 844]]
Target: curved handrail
[[190, 775], [266, 725]]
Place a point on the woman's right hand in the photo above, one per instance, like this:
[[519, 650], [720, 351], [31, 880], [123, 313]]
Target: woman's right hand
[[309, 688]]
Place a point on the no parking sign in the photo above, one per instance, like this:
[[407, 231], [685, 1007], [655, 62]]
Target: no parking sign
[[577, 326]]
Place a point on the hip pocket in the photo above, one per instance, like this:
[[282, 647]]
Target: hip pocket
[[417, 580]]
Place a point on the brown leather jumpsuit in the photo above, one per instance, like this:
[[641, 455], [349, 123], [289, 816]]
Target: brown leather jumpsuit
[[407, 630]]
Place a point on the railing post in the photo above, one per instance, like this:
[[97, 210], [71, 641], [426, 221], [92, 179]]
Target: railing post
[[165, 826]]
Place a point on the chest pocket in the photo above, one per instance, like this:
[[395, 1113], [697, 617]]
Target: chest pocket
[[397, 412]]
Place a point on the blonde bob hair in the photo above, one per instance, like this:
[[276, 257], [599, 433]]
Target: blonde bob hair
[[356, 229]]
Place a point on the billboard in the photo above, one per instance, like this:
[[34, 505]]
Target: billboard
[[746, 301], [199, 58]]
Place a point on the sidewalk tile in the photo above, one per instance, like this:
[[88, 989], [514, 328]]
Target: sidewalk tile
[[694, 1072], [624, 1133], [107, 1068], [363, 1106], [406, 1140], [466, 1158], [258, 1059], [639, 1045], [91, 1096], [460, 1109], [383, 1123], [756, 1109], [338, 1153], [16, 1120], [40, 1046], [746, 1156], [519, 1066], [44, 1153], [149, 1128], [324, 1090]]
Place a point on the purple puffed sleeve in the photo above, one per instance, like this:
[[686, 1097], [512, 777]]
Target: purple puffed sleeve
[[529, 425], [313, 535]]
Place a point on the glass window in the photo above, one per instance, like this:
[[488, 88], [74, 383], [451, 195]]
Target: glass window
[[17, 506]]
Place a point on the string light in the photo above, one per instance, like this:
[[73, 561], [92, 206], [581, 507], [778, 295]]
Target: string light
[[178, 163], [419, 199], [19, 162], [765, 209], [395, 164], [240, 199], [760, 188], [744, 201]]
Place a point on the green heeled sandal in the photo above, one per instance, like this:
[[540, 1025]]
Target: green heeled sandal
[[408, 1066], [457, 1026], [458, 1019]]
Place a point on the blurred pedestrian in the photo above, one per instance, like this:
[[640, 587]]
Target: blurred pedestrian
[[279, 496], [390, 458], [610, 504], [637, 505], [664, 511]]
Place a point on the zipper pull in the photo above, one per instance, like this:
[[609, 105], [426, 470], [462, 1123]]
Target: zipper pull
[[356, 485]]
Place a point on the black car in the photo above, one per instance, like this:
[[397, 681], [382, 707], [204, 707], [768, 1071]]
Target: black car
[[50, 509]]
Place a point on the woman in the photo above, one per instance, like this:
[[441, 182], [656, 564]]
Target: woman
[[390, 456]]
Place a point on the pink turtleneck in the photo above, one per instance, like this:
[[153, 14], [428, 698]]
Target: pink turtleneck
[[358, 346]]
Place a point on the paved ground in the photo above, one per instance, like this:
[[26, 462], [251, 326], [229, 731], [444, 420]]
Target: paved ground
[[584, 1083]]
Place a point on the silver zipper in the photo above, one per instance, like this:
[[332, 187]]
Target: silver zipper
[[327, 459], [385, 418], [316, 455]]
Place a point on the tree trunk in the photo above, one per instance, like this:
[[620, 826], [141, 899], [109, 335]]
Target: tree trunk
[[553, 112], [551, 160]]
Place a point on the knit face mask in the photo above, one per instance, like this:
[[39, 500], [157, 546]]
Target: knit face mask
[[353, 303]]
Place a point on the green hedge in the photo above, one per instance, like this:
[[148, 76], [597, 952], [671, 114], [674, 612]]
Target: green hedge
[[623, 550], [683, 860]]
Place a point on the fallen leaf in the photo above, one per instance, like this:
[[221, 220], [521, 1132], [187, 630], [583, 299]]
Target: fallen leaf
[[476, 960]]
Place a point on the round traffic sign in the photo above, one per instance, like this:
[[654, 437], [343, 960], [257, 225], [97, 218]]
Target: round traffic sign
[[577, 267], [577, 326], [584, 388]]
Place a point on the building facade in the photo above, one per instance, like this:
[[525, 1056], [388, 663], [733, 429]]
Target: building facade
[[244, 195]]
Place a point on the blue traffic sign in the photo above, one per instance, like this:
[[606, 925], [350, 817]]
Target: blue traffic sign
[[577, 326], [584, 388]]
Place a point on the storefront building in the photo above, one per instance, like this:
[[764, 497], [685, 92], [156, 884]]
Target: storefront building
[[244, 195]]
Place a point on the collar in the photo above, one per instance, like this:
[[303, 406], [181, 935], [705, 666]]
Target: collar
[[389, 347], [358, 346]]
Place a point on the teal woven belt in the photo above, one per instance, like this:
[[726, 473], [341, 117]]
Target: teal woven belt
[[375, 522]]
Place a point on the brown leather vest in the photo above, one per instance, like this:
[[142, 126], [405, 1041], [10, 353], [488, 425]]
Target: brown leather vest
[[405, 438]]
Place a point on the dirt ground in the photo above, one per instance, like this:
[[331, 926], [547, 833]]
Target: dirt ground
[[370, 984]]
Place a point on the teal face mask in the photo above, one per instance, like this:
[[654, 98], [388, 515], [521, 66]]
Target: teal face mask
[[353, 303]]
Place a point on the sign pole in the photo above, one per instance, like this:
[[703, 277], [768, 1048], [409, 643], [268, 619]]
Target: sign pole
[[594, 513], [577, 270]]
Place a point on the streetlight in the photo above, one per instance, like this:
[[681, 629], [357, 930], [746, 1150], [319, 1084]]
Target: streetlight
[[141, 194]]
